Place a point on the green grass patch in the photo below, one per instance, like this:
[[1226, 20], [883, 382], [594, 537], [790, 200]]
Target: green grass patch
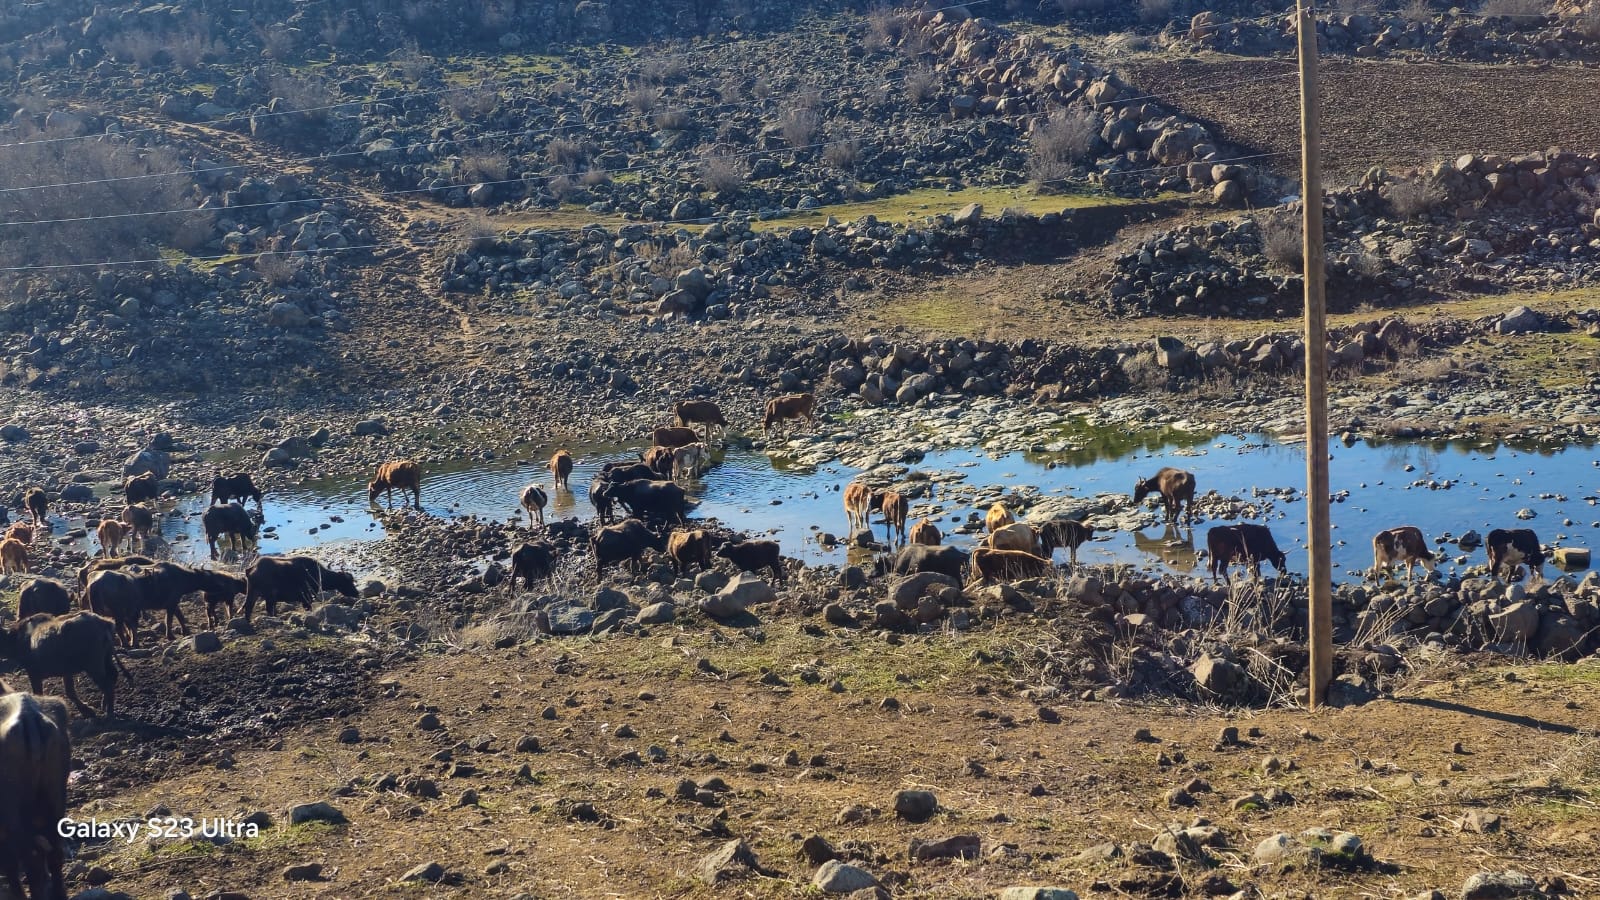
[[928, 202], [1472, 306], [289, 836]]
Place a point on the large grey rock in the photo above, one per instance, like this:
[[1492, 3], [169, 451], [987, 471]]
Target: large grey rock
[[656, 614], [1216, 676], [569, 618], [721, 606], [158, 462], [834, 877], [730, 862], [908, 590], [1516, 624], [1520, 320], [1495, 885], [13, 433], [286, 315], [1037, 893], [747, 590]]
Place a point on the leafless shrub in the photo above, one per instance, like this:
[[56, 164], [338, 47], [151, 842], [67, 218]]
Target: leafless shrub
[[731, 89], [1588, 201], [279, 269], [643, 98], [922, 85], [1155, 12], [1412, 197], [885, 25], [722, 174], [414, 66], [1515, 8], [49, 48], [277, 41], [1417, 11], [595, 177], [799, 126], [1075, 7], [672, 119], [843, 154], [661, 70], [106, 232], [1587, 23], [472, 104], [474, 231], [1368, 264], [306, 93], [762, 89], [1281, 241], [564, 153], [137, 46], [1062, 141], [194, 45], [561, 187], [1355, 7], [481, 166], [562, 89], [1127, 42]]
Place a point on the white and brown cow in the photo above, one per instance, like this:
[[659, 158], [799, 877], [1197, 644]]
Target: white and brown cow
[[1400, 545]]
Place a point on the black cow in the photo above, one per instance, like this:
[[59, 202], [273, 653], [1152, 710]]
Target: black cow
[[945, 560], [117, 596], [532, 562], [601, 501], [663, 500], [618, 472], [1245, 543], [624, 542], [1512, 547], [224, 488], [219, 589], [232, 521], [43, 595], [753, 556], [1068, 533], [291, 579]]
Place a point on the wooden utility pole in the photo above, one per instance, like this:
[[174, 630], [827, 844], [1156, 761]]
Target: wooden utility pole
[[1319, 573]]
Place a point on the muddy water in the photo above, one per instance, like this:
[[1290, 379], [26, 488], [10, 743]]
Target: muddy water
[[1444, 488]]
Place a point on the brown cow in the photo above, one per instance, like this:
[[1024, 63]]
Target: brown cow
[[689, 548], [13, 556], [792, 406], [686, 413], [1176, 488], [20, 531], [660, 460], [925, 532], [141, 521], [1018, 536], [673, 436], [561, 470], [894, 508], [1400, 545], [111, 534], [997, 518], [858, 505], [403, 475], [1008, 565]]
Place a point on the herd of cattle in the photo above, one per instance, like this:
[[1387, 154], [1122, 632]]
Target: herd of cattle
[[63, 630]]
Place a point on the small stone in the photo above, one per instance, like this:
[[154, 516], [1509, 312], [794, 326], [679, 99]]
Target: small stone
[[316, 812], [430, 872], [915, 806], [429, 722]]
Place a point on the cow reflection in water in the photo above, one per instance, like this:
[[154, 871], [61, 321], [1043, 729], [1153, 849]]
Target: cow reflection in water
[[1175, 548]]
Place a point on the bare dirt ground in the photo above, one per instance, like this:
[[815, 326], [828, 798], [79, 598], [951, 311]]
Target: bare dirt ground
[[590, 815], [1393, 114]]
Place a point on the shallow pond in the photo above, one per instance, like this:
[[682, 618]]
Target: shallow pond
[[748, 490]]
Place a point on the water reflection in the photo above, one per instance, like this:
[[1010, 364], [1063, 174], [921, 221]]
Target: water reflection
[[1173, 549]]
